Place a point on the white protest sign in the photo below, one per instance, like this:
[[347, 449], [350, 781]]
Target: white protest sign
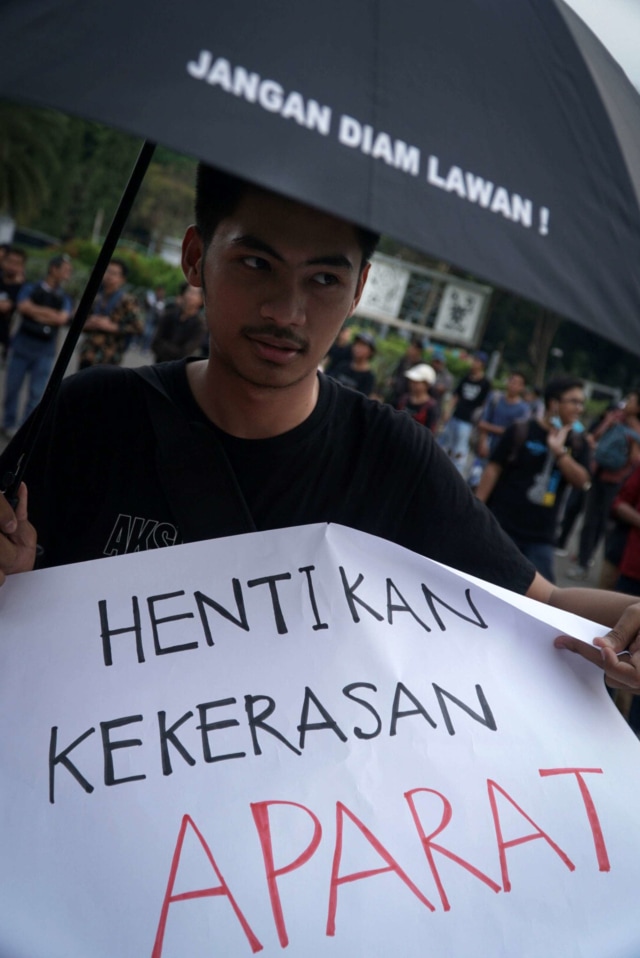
[[307, 738]]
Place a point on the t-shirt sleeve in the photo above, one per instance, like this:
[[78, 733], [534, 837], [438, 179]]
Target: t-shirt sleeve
[[25, 292], [446, 522]]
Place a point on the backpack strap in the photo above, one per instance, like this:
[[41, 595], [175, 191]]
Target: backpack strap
[[194, 471]]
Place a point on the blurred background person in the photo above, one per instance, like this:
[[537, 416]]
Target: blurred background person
[[114, 320], [43, 308], [468, 399], [501, 409], [617, 452], [154, 304], [356, 372], [339, 352], [12, 279], [529, 469], [417, 400], [181, 327], [396, 385], [443, 386]]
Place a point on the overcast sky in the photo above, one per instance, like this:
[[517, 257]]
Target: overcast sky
[[617, 24]]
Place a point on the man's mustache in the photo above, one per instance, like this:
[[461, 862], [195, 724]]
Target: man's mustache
[[277, 332]]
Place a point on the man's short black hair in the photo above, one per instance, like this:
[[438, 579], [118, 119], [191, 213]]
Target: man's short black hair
[[59, 260], [16, 251], [218, 194], [556, 388]]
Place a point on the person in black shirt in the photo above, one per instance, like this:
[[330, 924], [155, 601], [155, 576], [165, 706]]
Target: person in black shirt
[[530, 468], [356, 372], [180, 328], [469, 398], [12, 280], [254, 438], [339, 351]]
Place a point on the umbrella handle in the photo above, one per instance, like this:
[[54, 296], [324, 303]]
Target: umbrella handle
[[11, 481]]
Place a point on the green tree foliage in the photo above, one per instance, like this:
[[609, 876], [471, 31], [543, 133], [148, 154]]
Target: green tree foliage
[[145, 272], [165, 204], [65, 176], [89, 183], [30, 157]]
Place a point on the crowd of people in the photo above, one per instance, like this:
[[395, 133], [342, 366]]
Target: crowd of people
[[530, 458], [33, 313], [528, 455]]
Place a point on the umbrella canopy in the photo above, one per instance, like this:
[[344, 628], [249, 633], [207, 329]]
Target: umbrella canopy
[[499, 136]]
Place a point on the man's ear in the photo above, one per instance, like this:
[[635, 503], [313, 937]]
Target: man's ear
[[362, 279], [192, 255]]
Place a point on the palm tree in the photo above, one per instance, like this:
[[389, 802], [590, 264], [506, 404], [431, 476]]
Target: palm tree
[[29, 156]]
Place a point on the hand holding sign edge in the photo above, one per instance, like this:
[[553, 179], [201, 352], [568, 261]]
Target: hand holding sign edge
[[18, 537]]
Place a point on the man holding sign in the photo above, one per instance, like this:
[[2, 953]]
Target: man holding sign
[[253, 438]]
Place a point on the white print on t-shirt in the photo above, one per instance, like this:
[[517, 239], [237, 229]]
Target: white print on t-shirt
[[470, 391], [134, 534]]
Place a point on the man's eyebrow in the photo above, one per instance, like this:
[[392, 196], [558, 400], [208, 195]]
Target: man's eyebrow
[[337, 260], [253, 242]]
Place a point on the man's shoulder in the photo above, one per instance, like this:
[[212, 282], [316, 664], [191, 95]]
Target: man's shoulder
[[119, 381], [350, 410], [100, 384], [27, 289]]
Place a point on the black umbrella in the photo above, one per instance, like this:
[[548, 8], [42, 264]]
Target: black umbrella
[[499, 136]]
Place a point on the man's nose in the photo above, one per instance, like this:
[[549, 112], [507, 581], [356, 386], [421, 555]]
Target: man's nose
[[285, 305]]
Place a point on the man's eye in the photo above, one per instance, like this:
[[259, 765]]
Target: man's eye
[[326, 279], [255, 262]]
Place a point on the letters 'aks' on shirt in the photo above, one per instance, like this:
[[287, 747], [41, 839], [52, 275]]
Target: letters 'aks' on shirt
[[528, 493], [94, 487]]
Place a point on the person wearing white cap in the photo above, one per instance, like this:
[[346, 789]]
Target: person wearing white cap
[[418, 402]]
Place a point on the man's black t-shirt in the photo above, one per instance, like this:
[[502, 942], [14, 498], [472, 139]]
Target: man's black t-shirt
[[362, 380], [528, 493], [94, 487], [472, 395]]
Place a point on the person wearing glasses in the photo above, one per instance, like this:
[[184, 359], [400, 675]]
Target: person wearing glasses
[[530, 468]]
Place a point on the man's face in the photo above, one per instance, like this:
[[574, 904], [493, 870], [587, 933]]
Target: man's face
[[113, 278], [414, 354], [361, 351], [191, 300], [515, 385], [571, 406], [12, 266], [62, 273], [279, 280], [418, 390]]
